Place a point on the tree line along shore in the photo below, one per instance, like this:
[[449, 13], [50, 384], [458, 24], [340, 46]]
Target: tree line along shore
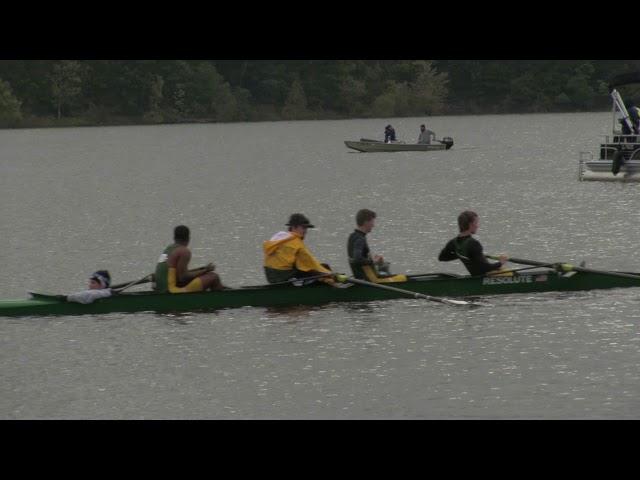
[[48, 93]]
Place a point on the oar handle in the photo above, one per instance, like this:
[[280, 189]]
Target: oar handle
[[146, 279], [565, 267], [122, 288], [519, 260]]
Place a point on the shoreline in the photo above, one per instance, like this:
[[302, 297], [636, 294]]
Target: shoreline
[[75, 122]]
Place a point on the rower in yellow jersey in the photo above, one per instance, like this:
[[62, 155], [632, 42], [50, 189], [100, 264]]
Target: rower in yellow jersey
[[286, 256], [172, 272]]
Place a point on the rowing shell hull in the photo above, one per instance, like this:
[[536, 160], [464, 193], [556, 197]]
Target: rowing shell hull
[[443, 285], [393, 147]]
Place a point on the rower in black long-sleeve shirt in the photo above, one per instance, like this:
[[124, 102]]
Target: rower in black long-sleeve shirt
[[469, 250], [359, 252], [362, 263]]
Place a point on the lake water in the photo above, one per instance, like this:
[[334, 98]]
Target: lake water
[[75, 200]]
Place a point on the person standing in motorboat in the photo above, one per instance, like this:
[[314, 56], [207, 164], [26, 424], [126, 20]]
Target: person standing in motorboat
[[426, 135]]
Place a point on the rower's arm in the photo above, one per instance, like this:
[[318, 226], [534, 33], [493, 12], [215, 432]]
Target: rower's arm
[[477, 258], [306, 262], [183, 275], [89, 296], [448, 253]]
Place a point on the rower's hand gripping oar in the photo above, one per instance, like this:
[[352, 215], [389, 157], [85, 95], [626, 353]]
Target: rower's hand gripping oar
[[446, 301], [567, 267]]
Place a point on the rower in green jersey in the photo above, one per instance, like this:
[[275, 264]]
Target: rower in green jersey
[[469, 250], [172, 272]]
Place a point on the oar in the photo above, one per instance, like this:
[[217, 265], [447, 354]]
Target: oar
[[146, 279], [122, 287], [567, 267], [407, 292]]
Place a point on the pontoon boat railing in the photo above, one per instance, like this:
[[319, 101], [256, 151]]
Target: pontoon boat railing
[[621, 138]]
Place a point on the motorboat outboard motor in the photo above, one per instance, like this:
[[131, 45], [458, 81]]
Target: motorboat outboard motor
[[618, 162], [448, 141]]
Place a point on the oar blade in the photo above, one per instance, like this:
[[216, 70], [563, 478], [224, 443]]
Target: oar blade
[[451, 301], [455, 302]]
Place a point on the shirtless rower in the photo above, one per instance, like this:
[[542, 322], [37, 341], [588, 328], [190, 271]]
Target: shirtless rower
[[172, 271]]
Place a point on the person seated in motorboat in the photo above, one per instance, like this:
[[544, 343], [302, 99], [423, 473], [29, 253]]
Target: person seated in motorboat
[[172, 270], [99, 283], [625, 129], [365, 266], [634, 116], [469, 250], [634, 120], [389, 134], [426, 135], [286, 257]]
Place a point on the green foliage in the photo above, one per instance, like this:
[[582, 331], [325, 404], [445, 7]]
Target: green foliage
[[422, 91], [205, 92], [523, 92], [562, 99], [66, 83], [352, 94], [156, 97], [578, 87], [10, 113], [224, 104], [384, 105], [243, 103], [295, 106], [156, 91], [429, 89]]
